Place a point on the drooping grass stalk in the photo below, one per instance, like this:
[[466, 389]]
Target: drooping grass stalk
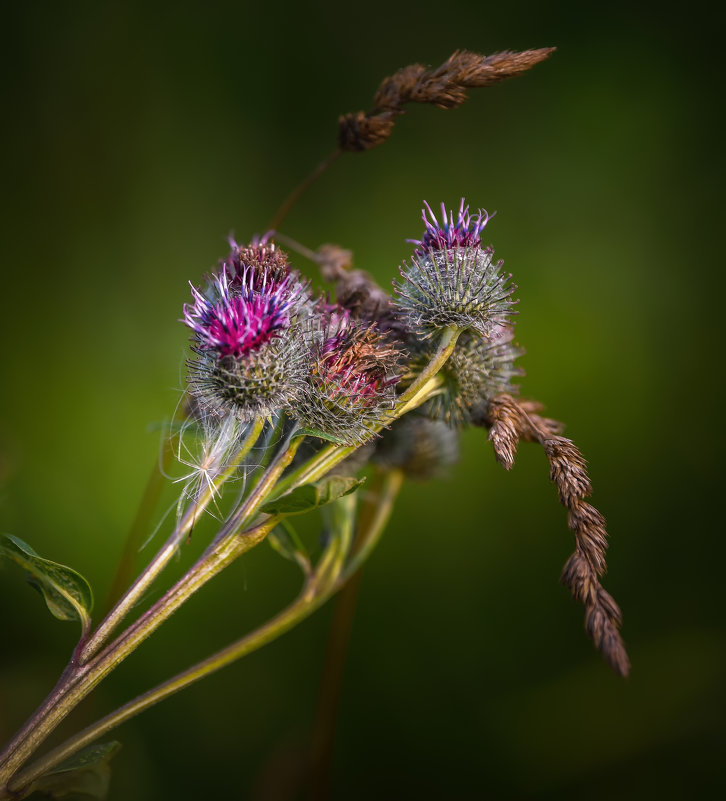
[[301, 188]]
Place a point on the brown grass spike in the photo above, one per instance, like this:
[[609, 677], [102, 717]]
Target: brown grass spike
[[445, 87], [509, 421]]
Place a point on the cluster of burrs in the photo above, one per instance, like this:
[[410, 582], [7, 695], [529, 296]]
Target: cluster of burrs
[[349, 368]]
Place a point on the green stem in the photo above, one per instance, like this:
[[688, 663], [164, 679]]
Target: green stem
[[314, 467], [316, 591], [446, 346], [374, 518], [81, 678], [85, 678]]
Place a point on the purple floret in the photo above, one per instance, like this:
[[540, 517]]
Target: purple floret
[[241, 317], [465, 232]]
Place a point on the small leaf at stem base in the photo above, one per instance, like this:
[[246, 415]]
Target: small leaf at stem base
[[83, 777], [314, 432], [67, 594], [311, 496]]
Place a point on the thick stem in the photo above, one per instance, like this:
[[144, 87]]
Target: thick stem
[[35, 730], [447, 343], [84, 677]]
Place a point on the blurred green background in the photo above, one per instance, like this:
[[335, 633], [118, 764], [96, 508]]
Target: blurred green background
[[137, 136]]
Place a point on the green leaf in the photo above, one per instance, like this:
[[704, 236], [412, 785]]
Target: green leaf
[[285, 540], [84, 776], [311, 496], [314, 432], [67, 594]]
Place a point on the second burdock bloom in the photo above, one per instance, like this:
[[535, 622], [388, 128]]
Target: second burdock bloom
[[452, 281], [351, 385], [248, 337], [478, 370]]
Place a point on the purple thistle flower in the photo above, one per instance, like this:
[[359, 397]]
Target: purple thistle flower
[[465, 232], [239, 318], [454, 282], [248, 335]]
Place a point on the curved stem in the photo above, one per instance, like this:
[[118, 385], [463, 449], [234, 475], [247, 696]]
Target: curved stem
[[84, 678], [447, 343], [300, 189], [375, 515]]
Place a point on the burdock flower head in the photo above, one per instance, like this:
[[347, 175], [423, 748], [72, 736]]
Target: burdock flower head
[[477, 371], [452, 281], [251, 356], [351, 380]]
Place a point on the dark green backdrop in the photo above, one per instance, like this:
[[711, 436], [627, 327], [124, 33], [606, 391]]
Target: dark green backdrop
[[137, 136]]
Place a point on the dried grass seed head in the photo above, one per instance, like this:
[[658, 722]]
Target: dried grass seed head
[[445, 87]]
